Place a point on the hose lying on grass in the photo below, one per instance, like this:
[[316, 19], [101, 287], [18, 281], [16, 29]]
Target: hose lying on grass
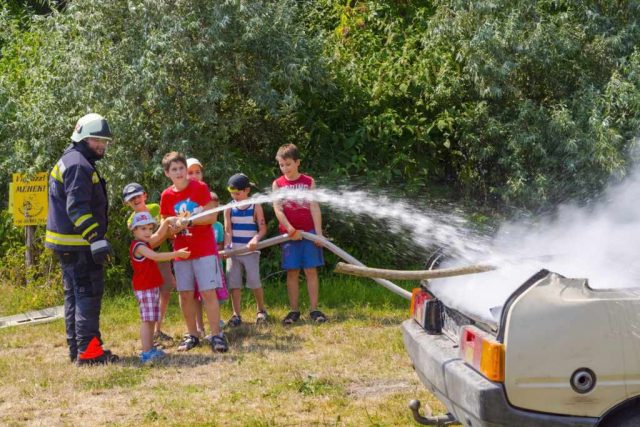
[[382, 273]]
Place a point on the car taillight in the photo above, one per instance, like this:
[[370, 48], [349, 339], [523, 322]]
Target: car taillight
[[480, 350], [418, 296], [427, 311]]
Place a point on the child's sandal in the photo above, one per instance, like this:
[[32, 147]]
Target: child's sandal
[[261, 317], [291, 318], [318, 316], [235, 321], [218, 343], [188, 342]]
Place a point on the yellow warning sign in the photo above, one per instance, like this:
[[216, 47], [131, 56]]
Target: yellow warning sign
[[29, 199]]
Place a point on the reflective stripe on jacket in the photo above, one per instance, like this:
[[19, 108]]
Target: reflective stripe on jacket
[[77, 202]]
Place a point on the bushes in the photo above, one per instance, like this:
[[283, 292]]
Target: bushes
[[216, 80], [26, 288], [499, 100], [509, 102]]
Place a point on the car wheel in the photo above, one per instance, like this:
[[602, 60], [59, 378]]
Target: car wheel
[[628, 417]]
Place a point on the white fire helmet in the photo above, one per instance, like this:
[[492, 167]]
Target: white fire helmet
[[91, 125]]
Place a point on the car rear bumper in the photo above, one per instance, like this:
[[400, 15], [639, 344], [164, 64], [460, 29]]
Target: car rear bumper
[[470, 397]]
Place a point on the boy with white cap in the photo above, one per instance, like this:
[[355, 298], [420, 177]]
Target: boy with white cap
[[147, 278], [133, 194]]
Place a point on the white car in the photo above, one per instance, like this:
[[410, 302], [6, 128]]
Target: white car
[[560, 353]]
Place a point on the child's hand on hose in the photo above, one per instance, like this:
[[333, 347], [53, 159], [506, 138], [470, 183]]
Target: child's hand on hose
[[294, 234], [183, 220], [183, 253], [253, 244]]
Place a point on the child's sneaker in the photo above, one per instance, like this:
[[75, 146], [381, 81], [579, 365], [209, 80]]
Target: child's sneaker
[[261, 317], [152, 355], [188, 342], [218, 343], [291, 318], [235, 321]]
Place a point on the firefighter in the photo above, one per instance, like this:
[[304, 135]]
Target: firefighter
[[76, 227]]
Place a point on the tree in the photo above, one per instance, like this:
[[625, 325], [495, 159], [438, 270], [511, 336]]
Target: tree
[[216, 80], [506, 100]]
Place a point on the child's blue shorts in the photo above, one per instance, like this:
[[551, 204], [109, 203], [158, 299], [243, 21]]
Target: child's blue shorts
[[301, 254]]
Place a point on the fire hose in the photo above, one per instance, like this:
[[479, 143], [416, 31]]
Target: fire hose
[[327, 244], [357, 268], [361, 271]]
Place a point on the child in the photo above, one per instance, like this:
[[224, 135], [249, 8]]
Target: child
[[218, 232], [244, 226], [218, 228], [133, 194], [298, 253], [147, 278], [187, 197], [194, 171]]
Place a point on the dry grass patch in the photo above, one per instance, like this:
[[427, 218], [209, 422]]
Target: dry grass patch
[[352, 371]]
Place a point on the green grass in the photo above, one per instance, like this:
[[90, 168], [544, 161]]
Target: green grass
[[351, 371]]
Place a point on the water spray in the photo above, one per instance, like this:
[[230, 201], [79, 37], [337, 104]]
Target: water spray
[[426, 227]]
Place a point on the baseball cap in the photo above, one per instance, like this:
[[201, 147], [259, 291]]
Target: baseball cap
[[131, 190], [239, 181], [141, 218], [193, 161]]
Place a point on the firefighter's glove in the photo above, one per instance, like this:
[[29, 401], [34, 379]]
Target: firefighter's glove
[[101, 251]]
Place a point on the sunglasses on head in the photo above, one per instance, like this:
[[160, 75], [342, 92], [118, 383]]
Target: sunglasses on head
[[233, 190]]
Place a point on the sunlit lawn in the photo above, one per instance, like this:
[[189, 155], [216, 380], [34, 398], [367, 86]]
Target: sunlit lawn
[[351, 371]]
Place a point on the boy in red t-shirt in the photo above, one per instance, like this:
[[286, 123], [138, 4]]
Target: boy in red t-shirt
[[147, 278], [298, 253], [182, 199]]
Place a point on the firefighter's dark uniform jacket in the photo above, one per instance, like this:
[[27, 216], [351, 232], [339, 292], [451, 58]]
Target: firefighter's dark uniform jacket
[[77, 201]]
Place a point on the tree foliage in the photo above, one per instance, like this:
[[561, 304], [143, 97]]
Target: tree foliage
[[216, 80], [523, 103], [511, 102]]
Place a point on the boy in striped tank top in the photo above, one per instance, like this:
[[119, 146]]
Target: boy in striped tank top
[[244, 225]]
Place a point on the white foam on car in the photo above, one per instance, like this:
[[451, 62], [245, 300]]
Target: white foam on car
[[599, 242]]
